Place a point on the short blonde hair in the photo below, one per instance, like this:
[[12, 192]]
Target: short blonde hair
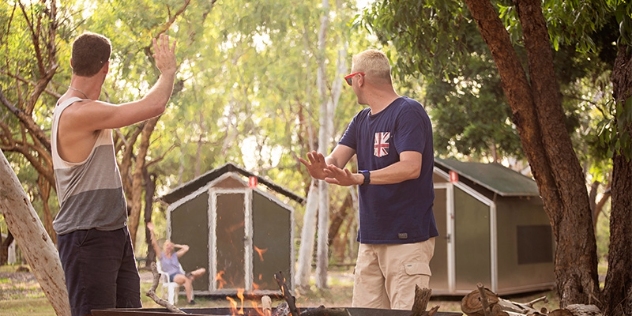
[[373, 63]]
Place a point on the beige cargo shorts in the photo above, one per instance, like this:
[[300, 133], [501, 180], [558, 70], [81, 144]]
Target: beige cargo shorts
[[385, 275]]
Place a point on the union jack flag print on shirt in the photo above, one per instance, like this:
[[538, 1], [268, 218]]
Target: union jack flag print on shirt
[[380, 147]]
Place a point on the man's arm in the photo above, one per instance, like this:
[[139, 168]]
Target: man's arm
[[408, 167], [317, 164], [97, 115], [340, 156]]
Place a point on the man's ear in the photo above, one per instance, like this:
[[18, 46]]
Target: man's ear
[[360, 81], [106, 67], [71, 66]]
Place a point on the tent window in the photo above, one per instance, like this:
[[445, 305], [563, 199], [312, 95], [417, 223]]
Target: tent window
[[535, 244]]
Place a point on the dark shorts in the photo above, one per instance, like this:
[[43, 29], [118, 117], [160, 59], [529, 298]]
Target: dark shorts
[[100, 270], [172, 276]]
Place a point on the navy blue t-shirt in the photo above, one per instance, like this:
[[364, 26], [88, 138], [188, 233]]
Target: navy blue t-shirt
[[402, 212]]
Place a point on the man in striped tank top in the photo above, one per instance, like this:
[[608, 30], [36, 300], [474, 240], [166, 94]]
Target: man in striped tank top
[[93, 240]]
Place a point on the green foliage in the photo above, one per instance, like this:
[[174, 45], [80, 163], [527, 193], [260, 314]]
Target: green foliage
[[435, 30], [463, 91]]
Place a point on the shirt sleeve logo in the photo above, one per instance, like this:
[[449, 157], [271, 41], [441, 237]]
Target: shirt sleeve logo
[[380, 144]]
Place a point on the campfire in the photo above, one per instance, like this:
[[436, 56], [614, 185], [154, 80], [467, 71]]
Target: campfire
[[285, 308], [480, 302]]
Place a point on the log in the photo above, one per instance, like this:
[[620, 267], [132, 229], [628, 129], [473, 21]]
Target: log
[[473, 304], [266, 305], [29, 233], [422, 297], [285, 291], [483, 299], [560, 312], [159, 300], [584, 310]]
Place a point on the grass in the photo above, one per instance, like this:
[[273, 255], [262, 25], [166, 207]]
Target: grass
[[23, 296]]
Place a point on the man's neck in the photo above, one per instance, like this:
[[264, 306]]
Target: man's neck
[[85, 87], [381, 100]]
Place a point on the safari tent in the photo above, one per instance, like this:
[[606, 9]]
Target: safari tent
[[237, 227], [493, 230]]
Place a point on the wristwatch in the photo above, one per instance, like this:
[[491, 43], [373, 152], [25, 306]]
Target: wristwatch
[[367, 176]]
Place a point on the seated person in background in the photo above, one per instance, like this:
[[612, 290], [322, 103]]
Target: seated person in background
[[170, 264]]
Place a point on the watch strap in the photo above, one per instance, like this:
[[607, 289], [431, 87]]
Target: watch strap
[[367, 176]]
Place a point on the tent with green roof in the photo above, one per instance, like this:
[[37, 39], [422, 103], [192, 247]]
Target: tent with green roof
[[493, 230]]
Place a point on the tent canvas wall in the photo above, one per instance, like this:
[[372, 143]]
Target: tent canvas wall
[[493, 230], [241, 234]]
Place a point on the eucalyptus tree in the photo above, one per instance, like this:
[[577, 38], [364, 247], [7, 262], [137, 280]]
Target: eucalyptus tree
[[533, 92], [30, 85], [266, 74], [30, 52]]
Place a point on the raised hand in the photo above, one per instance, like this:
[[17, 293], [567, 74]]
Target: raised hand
[[315, 164], [342, 177], [164, 54]]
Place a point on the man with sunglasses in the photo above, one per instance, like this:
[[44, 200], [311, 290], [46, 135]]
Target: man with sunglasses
[[392, 139]]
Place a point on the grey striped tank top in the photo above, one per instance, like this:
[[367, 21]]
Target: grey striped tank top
[[90, 192]]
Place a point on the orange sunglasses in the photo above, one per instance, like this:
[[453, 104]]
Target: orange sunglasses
[[351, 75]]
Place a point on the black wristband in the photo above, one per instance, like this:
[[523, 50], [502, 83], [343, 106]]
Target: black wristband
[[367, 176]]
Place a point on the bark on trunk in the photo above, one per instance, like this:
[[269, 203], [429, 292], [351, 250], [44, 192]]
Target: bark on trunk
[[4, 248], [37, 247], [339, 217], [137, 177], [618, 286], [308, 235], [576, 258], [322, 253], [150, 189], [539, 118]]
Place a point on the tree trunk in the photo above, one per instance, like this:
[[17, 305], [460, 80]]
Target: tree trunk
[[4, 248], [306, 250], [137, 177], [37, 247], [322, 252], [44, 190], [538, 115], [150, 189], [576, 257], [339, 217], [618, 286]]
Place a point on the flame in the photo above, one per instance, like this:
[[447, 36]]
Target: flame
[[260, 252], [239, 310], [233, 306], [220, 280], [240, 294]]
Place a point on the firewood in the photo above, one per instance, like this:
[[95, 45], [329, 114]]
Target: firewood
[[152, 292], [266, 305], [472, 304], [584, 310], [432, 311], [560, 312], [289, 298], [422, 296]]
